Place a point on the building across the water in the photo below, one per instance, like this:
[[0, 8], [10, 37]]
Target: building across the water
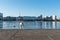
[[1, 20], [1, 16], [9, 18], [29, 18]]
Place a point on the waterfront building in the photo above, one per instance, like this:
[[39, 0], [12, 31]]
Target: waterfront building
[[1, 16], [27, 18], [54, 17], [48, 18], [9, 18], [1, 20], [19, 18], [51, 18], [40, 17]]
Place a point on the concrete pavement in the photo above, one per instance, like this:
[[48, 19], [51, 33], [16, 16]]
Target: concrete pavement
[[40, 34]]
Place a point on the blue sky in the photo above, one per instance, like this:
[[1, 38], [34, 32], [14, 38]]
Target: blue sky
[[30, 7]]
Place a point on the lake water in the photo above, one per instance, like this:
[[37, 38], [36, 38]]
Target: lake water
[[29, 25]]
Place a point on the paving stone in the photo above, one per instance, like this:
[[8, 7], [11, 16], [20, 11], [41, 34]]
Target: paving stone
[[30, 34]]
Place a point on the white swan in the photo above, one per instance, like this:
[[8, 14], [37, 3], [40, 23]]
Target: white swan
[[21, 25]]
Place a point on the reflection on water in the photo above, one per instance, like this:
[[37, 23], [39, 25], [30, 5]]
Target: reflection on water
[[50, 25], [1, 24], [40, 25], [10, 25], [30, 25]]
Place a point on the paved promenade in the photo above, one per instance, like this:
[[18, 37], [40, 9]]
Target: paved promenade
[[30, 34]]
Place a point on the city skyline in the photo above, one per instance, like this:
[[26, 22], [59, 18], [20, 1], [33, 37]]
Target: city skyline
[[30, 7]]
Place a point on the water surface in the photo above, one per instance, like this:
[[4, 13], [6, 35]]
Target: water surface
[[30, 25]]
